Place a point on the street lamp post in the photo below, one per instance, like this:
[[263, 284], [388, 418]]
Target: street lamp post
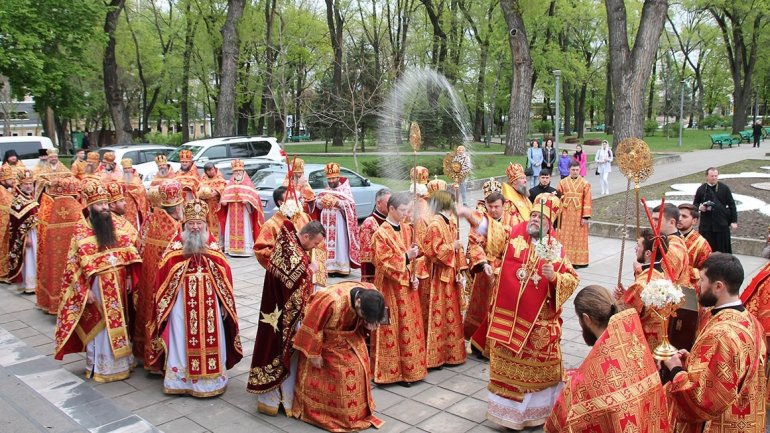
[[557, 119], [681, 114]]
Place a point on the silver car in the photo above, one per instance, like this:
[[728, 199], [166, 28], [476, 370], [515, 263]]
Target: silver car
[[269, 179]]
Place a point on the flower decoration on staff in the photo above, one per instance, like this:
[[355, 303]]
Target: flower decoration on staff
[[289, 208], [548, 248], [663, 298]]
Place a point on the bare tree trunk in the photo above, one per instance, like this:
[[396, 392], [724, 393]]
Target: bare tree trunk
[[271, 53], [189, 33], [609, 112], [228, 70], [335, 23], [112, 90], [521, 81], [580, 112], [631, 67], [651, 98], [49, 126], [567, 107], [439, 37]]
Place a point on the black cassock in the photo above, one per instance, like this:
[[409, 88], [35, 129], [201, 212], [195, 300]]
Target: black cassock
[[715, 223]]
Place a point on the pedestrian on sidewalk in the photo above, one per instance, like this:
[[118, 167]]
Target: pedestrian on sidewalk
[[564, 161], [535, 161], [718, 214], [603, 160], [757, 132], [549, 155]]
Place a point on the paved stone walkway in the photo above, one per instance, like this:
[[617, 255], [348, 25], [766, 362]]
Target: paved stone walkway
[[47, 395]]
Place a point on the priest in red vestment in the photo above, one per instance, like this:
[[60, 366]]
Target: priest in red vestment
[[698, 248], [486, 245], [22, 232], [617, 387], [165, 172], [243, 207], [268, 234], [288, 286], [367, 229], [676, 255], [161, 227], [398, 348], [302, 190], [525, 364], [7, 180], [445, 255], [93, 314], [338, 215], [135, 195], [59, 212], [212, 186], [576, 211], [188, 175], [720, 385], [334, 373], [194, 325]]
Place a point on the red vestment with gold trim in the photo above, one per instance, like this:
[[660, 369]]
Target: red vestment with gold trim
[[340, 200], [235, 197], [444, 336], [78, 321], [488, 247], [23, 219], [617, 387], [211, 189], [6, 197], [205, 282], [58, 216], [137, 206], [524, 333], [365, 233], [652, 324], [398, 349], [576, 205], [157, 232], [698, 250], [336, 397], [722, 387]]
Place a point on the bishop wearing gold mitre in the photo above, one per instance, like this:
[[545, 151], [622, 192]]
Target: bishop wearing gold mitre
[[524, 337], [93, 314], [515, 192]]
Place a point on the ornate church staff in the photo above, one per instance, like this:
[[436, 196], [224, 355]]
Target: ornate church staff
[[457, 166], [415, 140], [635, 162]]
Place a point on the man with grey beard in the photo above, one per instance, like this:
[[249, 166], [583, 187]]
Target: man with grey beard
[[194, 280], [516, 194]]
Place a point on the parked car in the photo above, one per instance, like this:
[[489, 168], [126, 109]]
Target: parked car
[[214, 149], [268, 179], [250, 166], [27, 147]]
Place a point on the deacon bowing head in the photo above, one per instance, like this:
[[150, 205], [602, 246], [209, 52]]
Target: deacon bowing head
[[311, 235], [594, 307]]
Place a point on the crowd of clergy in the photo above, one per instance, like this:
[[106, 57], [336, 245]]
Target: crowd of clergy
[[136, 275]]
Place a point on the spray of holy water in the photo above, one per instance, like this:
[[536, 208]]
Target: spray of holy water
[[425, 96]]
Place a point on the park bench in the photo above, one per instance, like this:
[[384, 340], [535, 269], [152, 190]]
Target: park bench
[[747, 135], [766, 131], [722, 139]]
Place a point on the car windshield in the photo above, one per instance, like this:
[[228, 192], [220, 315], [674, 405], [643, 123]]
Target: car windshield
[[268, 180], [174, 156]]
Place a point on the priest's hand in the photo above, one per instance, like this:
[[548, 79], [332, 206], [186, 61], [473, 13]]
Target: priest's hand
[[415, 283], [734, 226], [583, 221], [489, 270], [316, 362], [90, 298], [677, 360], [412, 252], [313, 267], [548, 272], [458, 245], [619, 292]]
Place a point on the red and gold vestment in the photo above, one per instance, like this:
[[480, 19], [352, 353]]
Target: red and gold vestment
[[576, 205], [398, 349], [617, 387], [336, 397]]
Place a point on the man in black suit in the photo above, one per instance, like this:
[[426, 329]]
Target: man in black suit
[[718, 214]]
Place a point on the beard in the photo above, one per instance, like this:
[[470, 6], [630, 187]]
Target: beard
[[194, 243], [589, 336], [533, 230], [707, 298], [103, 228], [522, 189]]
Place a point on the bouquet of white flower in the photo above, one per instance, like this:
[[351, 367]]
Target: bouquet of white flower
[[661, 294], [548, 248], [289, 208]]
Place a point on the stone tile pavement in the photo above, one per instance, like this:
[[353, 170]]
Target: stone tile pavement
[[449, 400]]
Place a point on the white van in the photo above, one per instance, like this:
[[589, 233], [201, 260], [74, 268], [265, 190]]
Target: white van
[[27, 147]]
